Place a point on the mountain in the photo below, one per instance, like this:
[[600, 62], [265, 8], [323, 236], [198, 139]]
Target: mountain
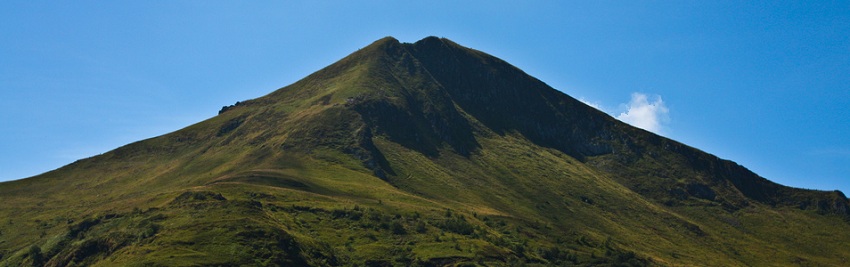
[[424, 154]]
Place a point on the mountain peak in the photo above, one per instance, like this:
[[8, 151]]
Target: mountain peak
[[433, 41], [385, 42], [436, 94], [387, 39], [430, 41]]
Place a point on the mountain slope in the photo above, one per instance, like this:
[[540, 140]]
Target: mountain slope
[[415, 154]]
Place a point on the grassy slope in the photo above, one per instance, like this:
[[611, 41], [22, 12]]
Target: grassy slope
[[290, 178]]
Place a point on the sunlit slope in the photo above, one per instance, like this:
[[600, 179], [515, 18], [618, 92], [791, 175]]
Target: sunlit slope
[[414, 154]]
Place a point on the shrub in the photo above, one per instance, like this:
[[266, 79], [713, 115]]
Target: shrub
[[458, 225], [34, 254], [397, 228]]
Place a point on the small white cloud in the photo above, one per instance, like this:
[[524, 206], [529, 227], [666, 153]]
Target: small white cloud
[[595, 105], [644, 114]]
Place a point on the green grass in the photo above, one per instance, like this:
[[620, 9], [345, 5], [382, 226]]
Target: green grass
[[388, 158]]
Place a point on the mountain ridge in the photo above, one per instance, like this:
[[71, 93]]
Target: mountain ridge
[[425, 153], [743, 179]]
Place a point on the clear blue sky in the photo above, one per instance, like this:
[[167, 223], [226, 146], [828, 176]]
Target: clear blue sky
[[764, 84]]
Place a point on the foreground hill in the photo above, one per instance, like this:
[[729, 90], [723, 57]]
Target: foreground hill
[[415, 154]]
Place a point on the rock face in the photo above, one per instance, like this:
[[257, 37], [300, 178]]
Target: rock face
[[425, 153]]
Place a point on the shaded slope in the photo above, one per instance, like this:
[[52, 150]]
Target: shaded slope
[[505, 99], [414, 154]]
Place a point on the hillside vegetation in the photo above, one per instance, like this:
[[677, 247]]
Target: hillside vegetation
[[423, 154]]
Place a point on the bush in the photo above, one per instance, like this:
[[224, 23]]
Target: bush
[[34, 254], [458, 225], [397, 228], [420, 228]]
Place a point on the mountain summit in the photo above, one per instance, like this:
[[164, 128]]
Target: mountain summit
[[404, 154]]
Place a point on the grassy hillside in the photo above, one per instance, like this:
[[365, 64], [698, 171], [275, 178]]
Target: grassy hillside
[[424, 154]]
